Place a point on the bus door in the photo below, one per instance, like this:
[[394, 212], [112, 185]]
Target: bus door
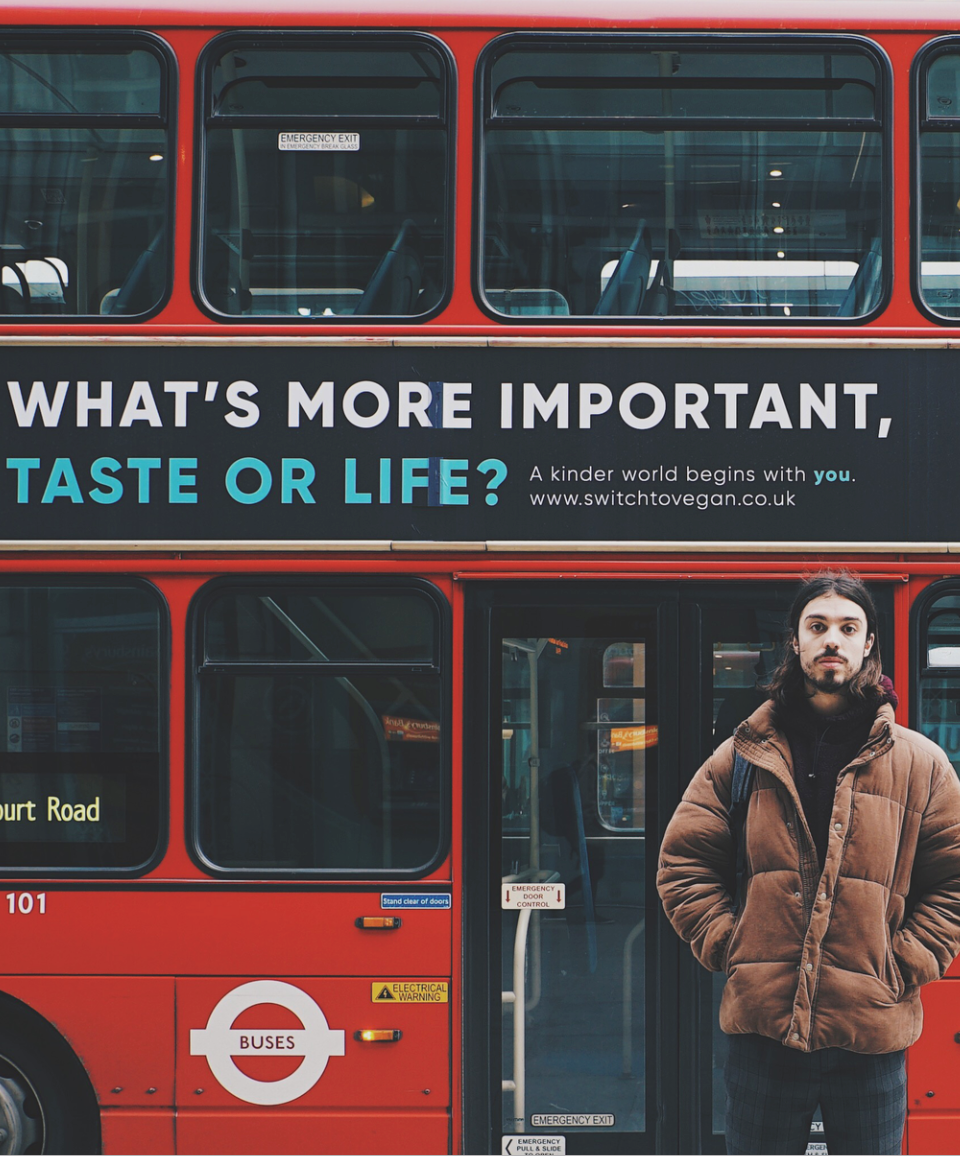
[[598, 703]]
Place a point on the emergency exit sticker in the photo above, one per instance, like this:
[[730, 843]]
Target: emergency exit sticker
[[533, 1146], [410, 991], [319, 142], [574, 1120]]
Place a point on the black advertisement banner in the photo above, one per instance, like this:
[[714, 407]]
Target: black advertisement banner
[[346, 444]]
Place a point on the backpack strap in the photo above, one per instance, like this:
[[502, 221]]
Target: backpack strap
[[743, 774]]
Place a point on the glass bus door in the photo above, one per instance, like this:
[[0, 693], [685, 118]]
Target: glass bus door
[[574, 695], [579, 740]]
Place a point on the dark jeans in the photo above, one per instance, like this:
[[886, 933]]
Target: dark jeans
[[773, 1091]]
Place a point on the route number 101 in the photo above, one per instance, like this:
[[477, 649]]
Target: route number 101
[[25, 902]]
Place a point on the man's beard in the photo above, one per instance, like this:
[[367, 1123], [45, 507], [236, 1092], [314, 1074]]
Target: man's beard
[[833, 680]]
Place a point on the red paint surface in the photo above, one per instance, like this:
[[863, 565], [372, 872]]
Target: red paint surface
[[935, 1061], [258, 1132], [933, 1136], [150, 1133], [121, 1028], [187, 930]]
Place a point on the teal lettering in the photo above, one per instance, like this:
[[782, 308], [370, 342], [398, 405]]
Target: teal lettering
[[296, 477], [62, 483], [252, 497], [23, 466], [114, 487]]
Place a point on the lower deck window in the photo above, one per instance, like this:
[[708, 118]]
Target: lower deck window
[[80, 759], [309, 764]]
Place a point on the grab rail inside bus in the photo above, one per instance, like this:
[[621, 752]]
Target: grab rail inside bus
[[395, 285], [517, 997], [635, 932], [371, 715]]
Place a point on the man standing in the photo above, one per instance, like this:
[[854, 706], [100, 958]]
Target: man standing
[[850, 898]]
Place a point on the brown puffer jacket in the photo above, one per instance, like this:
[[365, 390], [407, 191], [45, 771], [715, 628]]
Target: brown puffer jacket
[[831, 960]]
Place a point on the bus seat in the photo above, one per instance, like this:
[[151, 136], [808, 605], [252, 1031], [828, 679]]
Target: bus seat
[[863, 292], [624, 291], [11, 301], [395, 284]]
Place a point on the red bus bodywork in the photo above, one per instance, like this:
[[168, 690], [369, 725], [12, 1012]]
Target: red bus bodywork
[[126, 969]]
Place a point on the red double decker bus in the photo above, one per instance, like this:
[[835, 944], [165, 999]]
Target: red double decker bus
[[415, 423]]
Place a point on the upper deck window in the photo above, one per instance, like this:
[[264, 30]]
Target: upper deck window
[[939, 108], [85, 164], [325, 177], [637, 178]]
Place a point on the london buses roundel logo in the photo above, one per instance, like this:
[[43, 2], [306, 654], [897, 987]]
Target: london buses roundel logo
[[220, 1042]]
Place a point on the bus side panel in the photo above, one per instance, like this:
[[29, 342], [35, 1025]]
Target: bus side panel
[[261, 933], [932, 1061], [933, 1135], [146, 1133], [240, 1039], [121, 1027], [268, 1130]]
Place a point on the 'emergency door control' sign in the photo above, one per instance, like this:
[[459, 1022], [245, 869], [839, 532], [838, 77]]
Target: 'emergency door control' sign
[[316, 1042], [539, 896]]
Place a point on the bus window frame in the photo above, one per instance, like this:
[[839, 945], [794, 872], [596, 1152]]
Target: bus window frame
[[441, 666], [164, 649], [727, 40], [920, 123], [447, 121], [167, 119], [920, 620]]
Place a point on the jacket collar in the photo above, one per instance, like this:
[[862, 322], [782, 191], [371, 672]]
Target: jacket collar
[[760, 741]]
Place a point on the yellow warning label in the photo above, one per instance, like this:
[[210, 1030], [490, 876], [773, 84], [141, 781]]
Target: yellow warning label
[[410, 991]]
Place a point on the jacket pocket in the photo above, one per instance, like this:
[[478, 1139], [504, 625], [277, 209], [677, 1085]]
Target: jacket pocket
[[897, 984], [728, 946]]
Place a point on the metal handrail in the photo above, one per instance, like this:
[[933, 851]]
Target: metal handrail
[[517, 997], [627, 1068]]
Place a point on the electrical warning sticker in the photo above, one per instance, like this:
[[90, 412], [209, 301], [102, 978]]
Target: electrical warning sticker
[[410, 991]]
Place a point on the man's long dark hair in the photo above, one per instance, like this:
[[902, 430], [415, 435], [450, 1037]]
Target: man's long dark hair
[[787, 684]]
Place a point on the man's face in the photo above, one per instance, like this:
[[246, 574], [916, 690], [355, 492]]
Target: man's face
[[832, 642]]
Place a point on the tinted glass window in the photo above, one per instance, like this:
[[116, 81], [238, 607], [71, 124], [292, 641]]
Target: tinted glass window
[[939, 171], [629, 179], [692, 83], [80, 676], [939, 707], [325, 177], [85, 170], [320, 731], [321, 625]]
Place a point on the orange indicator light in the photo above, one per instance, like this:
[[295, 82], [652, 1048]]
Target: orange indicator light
[[378, 1036], [378, 922]]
